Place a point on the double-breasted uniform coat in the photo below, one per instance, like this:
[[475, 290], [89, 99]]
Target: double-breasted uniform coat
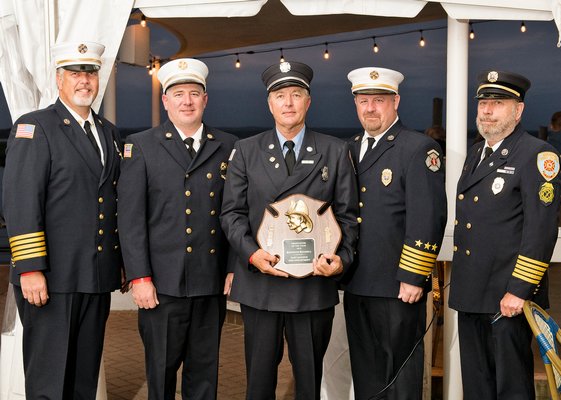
[[505, 232], [257, 177], [403, 215], [169, 208], [60, 205]]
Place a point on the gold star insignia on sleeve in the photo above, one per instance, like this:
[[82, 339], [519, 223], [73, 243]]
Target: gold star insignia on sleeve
[[427, 246], [434, 247], [418, 243]]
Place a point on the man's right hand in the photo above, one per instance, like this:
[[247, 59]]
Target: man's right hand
[[265, 263], [34, 288], [144, 295]]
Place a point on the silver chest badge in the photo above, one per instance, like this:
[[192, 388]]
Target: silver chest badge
[[498, 185], [324, 174]]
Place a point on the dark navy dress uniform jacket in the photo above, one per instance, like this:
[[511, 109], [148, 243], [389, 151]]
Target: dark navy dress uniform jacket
[[169, 208], [506, 226], [60, 203], [254, 182], [402, 211]]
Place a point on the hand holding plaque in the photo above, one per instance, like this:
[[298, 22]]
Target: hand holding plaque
[[298, 229]]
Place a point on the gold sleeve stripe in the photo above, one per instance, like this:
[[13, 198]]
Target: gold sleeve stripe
[[526, 279], [531, 266], [416, 261], [419, 252], [25, 241], [537, 271], [32, 255], [27, 236], [414, 270], [416, 257], [529, 274], [531, 260], [415, 265], [28, 246], [28, 251]]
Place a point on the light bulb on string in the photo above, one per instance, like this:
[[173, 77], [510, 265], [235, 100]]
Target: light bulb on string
[[143, 21], [326, 53], [471, 32], [238, 63], [282, 56], [522, 27], [422, 40], [375, 48]]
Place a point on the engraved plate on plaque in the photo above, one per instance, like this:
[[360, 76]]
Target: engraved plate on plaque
[[298, 229]]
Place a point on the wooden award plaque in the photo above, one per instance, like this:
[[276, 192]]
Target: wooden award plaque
[[298, 229]]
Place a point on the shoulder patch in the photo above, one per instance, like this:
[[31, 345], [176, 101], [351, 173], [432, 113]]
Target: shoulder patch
[[548, 164], [433, 160], [127, 153], [25, 131]]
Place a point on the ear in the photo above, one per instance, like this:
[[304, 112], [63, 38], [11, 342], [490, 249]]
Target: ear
[[165, 101], [519, 110], [396, 102]]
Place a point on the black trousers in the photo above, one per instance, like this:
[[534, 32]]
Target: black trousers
[[307, 335], [62, 344], [382, 333], [182, 330], [496, 360]]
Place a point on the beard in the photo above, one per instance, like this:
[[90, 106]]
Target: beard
[[500, 129], [372, 125], [82, 101]]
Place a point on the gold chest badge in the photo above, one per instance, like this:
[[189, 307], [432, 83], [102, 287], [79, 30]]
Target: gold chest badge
[[387, 176]]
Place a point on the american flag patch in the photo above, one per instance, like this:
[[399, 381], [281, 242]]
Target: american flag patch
[[128, 151], [25, 131]]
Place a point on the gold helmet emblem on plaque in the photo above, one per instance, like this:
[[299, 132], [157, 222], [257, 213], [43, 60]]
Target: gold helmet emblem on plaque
[[82, 48], [182, 65], [374, 75], [493, 76], [298, 217]]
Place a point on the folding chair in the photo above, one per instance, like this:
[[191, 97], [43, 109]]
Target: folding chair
[[548, 336]]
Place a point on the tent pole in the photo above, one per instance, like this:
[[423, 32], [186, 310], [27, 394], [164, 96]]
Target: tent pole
[[456, 141]]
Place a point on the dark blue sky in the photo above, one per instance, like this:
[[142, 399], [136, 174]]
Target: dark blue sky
[[237, 97]]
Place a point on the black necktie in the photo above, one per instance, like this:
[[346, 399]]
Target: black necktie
[[189, 142], [290, 156], [487, 151], [90, 136], [370, 145]]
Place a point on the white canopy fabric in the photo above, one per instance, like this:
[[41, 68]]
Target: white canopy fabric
[[29, 28]]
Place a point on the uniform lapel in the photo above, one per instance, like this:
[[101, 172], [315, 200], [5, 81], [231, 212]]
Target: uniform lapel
[[386, 142], [354, 148], [308, 161], [78, 138], [272, 158], [209, 145], [171, 141], [495, 160], [109, 147]]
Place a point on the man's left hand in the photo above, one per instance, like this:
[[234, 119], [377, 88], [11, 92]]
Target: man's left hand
[[410, 293], [328, 265], [511, 305]]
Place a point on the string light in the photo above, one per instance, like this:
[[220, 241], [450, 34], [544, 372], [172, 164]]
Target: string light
[[375, 48], [326, 55], [522, 27], [143, 21]]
